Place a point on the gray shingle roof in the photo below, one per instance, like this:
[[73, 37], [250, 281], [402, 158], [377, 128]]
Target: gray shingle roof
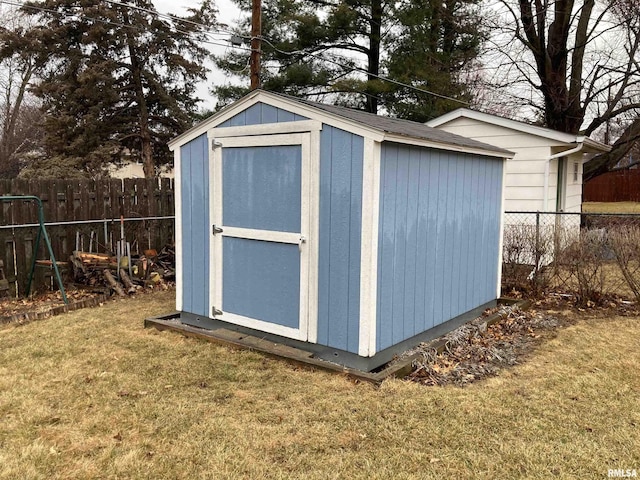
[[397, 126]]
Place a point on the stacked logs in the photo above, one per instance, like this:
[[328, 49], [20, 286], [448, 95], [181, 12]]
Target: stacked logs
[[100, 269]]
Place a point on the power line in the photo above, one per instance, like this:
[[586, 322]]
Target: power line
[[117, 24], [207, 31], [172, 17], [362, 70]]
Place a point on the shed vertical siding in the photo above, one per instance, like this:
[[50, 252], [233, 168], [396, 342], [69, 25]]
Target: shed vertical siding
[[341, 160], [260, 113], [194, 195], [438, 238]]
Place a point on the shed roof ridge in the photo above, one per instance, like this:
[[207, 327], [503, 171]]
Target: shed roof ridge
[[383, 123]]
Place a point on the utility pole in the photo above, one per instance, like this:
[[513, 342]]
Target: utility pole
[[256, 32]]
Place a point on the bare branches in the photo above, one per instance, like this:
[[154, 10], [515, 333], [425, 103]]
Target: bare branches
[[582, 56]]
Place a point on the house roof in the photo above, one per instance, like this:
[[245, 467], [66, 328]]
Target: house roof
[[590, 145], [391, 129]]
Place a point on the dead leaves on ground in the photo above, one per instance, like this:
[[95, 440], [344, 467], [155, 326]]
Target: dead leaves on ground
[[475, 350]]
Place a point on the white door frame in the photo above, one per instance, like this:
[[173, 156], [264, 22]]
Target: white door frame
[[307, 238]]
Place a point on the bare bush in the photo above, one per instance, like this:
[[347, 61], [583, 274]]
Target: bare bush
[[584, 260], [527, 250], [591, 256], [625, 245]]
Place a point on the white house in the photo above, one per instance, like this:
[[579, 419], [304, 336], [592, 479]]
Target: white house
[[546, 173]]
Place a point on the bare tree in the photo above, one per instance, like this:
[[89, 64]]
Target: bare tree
[[18, 109], [581, 59]]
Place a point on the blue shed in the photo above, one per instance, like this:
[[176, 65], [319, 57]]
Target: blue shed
[[351, 235]]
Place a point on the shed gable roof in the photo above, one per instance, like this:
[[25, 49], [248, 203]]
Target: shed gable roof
[[400, 127], [390, 129], [535, 130]]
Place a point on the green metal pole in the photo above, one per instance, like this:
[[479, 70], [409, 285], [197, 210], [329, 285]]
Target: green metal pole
[[33, 261], [42, 232]]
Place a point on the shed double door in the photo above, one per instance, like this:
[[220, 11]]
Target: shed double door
[[259, 232]]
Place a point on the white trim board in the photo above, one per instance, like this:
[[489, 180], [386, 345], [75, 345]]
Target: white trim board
[[369, 248], [517, 126], [266, 129], [177, 162], [314, 114], [260, 325], [306, 239], [266, 235]]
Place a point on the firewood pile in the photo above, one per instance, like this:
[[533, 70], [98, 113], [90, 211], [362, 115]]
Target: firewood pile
[[124, 275]]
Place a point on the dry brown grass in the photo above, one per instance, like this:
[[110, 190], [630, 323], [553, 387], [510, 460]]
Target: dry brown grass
[[91, 394], [611, 207]]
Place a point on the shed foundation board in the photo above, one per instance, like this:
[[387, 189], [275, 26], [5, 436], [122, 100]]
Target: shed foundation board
[[304, 351]]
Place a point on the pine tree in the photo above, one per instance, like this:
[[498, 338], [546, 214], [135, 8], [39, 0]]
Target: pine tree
[[315, 48], [119, 79], [434, 43], [338, 49]]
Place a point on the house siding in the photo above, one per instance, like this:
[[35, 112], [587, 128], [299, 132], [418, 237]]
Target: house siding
[[573, 202], [340, 225], [194, 196], [261, 113], [438, 238], [524, 183]]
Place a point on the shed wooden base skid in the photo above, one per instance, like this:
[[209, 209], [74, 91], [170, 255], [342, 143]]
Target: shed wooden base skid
[[373, 369]]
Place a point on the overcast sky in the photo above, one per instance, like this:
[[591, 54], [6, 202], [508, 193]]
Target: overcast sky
[[227, 12]]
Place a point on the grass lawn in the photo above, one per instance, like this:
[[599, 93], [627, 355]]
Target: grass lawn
[[91, 394], [611, 207]]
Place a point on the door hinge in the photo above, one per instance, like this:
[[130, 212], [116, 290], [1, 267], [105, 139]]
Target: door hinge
[[215, 144], [215, 312], [216, 229]]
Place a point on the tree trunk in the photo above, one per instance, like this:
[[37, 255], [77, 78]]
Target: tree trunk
[[146, 150], [606, 161]]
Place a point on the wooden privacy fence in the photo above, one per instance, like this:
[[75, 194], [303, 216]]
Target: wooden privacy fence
[[617, 186], [81, 215]]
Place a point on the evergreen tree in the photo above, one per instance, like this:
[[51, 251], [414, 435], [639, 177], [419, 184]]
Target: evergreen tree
[[434, 43], [338, 49], [119, 79], [315, 48]]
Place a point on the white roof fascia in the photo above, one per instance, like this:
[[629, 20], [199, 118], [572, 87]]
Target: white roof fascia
[[213, 120], [519, 126], [446, 146], [278, 102], [316, 114]]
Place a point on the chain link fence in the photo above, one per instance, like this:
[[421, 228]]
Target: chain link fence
[[17, 245], [591, 256]]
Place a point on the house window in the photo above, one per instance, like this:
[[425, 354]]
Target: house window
[[576, 167]]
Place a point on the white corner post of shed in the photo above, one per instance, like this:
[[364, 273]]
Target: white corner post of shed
[[369, 247], [501, 235], [177, 169], [564, 153]]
